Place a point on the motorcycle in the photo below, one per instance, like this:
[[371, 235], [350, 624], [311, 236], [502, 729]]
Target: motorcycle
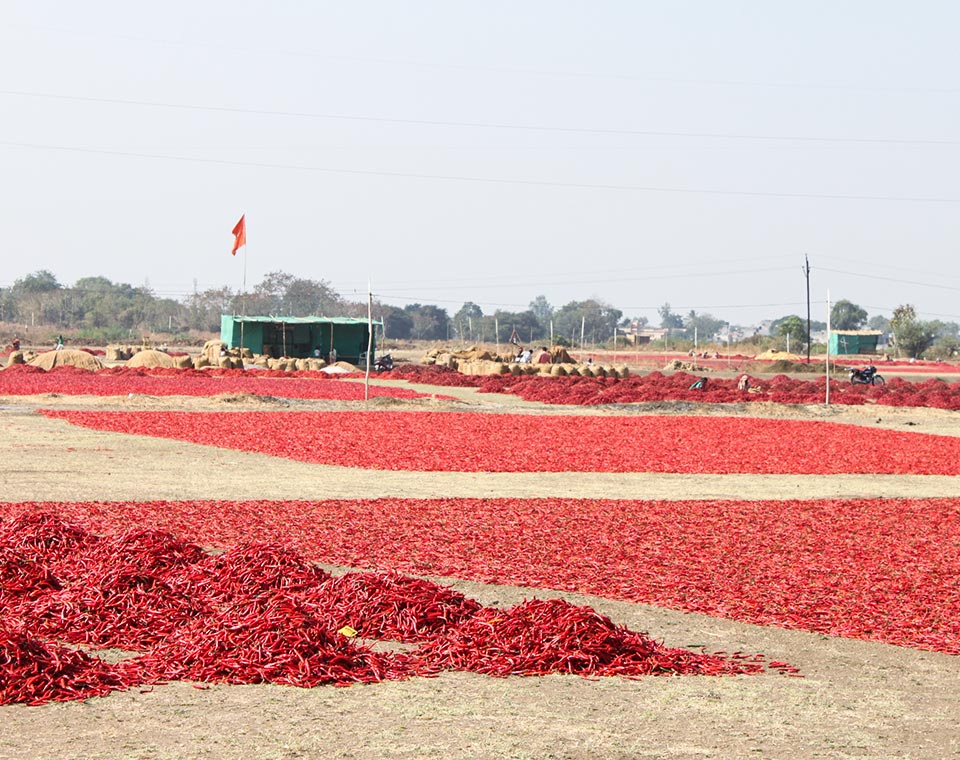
[[383, 363], [866, 376]]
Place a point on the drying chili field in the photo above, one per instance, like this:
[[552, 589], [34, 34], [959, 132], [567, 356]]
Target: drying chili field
[[757, 580]]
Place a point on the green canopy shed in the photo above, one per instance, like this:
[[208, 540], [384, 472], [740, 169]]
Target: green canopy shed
[[854, 341], [300, 337]]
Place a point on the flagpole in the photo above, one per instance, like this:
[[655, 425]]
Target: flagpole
[[366, 379], [243, 303], [827, 362], [239, 232]]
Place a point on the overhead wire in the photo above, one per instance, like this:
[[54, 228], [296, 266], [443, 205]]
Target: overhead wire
[[487, 125], [865, 275], [492, 180]]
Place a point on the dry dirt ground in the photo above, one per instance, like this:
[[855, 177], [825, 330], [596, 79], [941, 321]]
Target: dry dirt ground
[[857, 699]]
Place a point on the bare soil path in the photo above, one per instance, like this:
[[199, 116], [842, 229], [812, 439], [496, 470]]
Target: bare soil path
[[857, 699]]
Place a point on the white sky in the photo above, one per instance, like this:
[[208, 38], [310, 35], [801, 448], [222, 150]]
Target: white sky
[[636, 152]]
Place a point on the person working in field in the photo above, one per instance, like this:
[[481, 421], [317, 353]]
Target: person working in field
[[700, 385], [544, 356], [743, 384]]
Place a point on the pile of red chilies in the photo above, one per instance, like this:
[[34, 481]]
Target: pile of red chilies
[[34, 671], [260, 613]]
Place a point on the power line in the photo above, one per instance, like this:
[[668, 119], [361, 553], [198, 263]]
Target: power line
[[491, 180], [877, 265], [890, 279], [891, 309], [616, 273], [486, 125], [580, 280]]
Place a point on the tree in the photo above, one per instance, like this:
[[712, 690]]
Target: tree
[[668, 319], [204, 308], [947, 345], [704, 326], [541, 309], [467, 321], [9, 310], [281, 293], [429, 322], [99, 304], [598, 320], [38, 296], [42, 281], [794, 328], [307, 298], [846, 315], [268, 294], [526, 324], [912, 335], [397, 323], [879, 322]]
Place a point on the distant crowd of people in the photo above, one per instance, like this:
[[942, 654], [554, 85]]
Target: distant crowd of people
[[526, 356]]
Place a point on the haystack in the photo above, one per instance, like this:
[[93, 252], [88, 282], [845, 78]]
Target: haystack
[[115, 353], [777, 355], [448, 357], [483, 367], [15, 357], [150, 358], [66, 358], [678, 365], [211, 350]]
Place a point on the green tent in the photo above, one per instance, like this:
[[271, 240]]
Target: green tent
[[300, 337], [854, 341]]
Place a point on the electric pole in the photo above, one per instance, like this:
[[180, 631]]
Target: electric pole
[[806, 272]]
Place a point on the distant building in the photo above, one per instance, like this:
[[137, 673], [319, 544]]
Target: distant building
[[639, 334]]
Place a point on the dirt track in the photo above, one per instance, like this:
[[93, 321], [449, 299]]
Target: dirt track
[[858, 699]]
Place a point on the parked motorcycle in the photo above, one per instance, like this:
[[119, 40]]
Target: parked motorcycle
[[866, 376], [383, 363]]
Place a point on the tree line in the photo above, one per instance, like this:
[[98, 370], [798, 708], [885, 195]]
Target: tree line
[[97, 309], [94, 308]]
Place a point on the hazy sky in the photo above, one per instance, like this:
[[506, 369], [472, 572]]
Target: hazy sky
[[637, 152]]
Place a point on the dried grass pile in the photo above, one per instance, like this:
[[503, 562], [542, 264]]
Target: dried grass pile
[[212, 350], [150, 358], [775, 355], [66, 358]]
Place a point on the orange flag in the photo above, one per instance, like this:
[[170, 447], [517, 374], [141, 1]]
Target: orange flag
[[239, 234]]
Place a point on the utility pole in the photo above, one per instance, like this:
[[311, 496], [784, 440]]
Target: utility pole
[[806, 272]]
